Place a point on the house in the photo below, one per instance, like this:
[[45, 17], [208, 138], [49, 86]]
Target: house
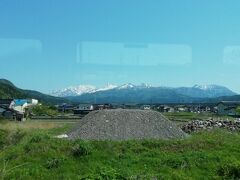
[[146, 107], [168, 109], [5, 102], [102, 106], [65, 107], [164, 108], [4, 109], [160, 108], [181, 108], [130, 106], [227, 107], [16, 108], [83, 109]]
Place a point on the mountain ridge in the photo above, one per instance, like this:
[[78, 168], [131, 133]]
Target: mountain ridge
[[129, 93], [202, 91]]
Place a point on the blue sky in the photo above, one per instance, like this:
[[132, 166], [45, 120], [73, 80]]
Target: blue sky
[[51, 44]]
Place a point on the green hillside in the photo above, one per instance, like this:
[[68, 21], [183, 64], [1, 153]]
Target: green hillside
[[9, 90]]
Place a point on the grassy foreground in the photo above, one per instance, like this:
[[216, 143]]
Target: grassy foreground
[[28, 153]]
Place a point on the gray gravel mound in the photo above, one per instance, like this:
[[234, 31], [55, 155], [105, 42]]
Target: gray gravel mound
[[123, 124]]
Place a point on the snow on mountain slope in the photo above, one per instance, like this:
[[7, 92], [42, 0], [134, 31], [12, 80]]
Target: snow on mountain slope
[[79, 90], [195, 91], [107, 87], [205, 91], [208, 87], [126, 86], [74, 91]]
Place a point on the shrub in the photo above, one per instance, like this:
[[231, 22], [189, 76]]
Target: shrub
[[108, 173], [3, 135], [40, 110], [38, 137], [15, 137], [81, 148], [229, 170], [104, 173], [177, 163], [53, 163], [12, 154], [35, 143]]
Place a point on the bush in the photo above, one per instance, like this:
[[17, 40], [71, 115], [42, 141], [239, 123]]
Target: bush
[[41, 110], [104, 173], [15, 137], [108, 173], [177, 162], [35, 143], [230, 170], [12, 154], [38, 137], [53, 163], [81, 148], [3, 134]]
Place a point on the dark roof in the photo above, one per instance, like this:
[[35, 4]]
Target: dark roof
[[230, 103], [5, 101], [230, 107]]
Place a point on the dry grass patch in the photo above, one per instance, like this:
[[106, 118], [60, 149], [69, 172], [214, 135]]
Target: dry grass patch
[[29, 125]]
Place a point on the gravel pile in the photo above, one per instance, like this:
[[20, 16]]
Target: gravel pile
[[123, 124], [198, 125]]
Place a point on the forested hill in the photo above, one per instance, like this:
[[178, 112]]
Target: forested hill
[[9, 90]]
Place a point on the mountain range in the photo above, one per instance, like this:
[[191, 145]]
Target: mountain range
[[199, 91], [143, 93], [126, 93]]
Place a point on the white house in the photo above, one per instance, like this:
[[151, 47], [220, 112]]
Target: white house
[[146, 107], [83, 109]]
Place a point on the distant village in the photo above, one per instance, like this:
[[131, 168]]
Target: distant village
[[18, 109], [228, 108]]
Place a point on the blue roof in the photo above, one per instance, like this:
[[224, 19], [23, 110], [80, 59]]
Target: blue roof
[[20, 102]]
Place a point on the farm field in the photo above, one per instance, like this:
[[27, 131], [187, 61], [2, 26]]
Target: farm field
[[30, 150], [189, 116]]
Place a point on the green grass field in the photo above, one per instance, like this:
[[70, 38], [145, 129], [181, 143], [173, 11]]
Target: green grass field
[[189, 116], [29, 150]]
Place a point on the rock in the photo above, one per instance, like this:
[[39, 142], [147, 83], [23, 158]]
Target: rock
[[210, 124], [62, 136]]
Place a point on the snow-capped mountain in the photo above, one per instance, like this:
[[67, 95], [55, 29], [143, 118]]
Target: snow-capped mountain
[[130, 86], [197, 91], [144, 85], [205, 91], [73, 91], [126, 86], [79, 90], [130, 93], [107, 87], [208, 87]]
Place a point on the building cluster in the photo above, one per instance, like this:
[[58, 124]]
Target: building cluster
[[16, 109], [228, 108], [221, 108]]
